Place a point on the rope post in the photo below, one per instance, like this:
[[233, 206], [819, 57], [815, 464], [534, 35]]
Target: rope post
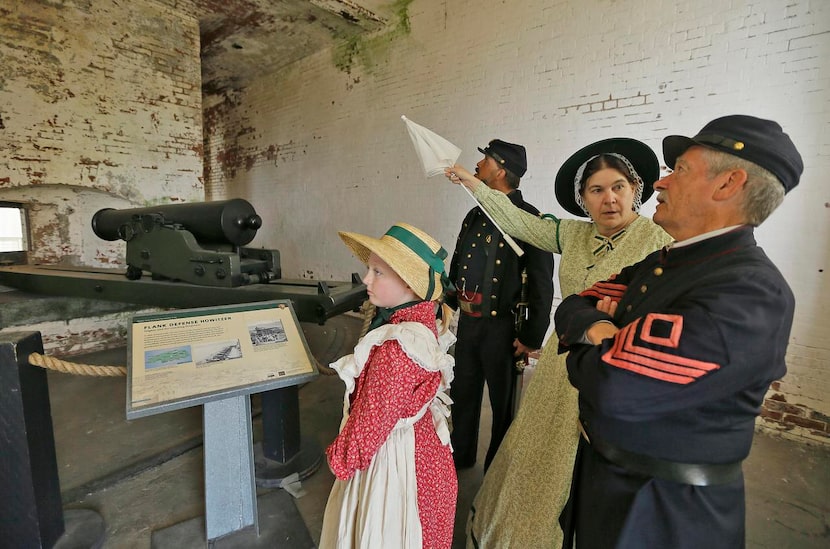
[[31, 506], [30, 509]]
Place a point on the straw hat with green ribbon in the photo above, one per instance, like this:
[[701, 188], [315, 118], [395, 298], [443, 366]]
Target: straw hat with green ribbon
[[413, 254]]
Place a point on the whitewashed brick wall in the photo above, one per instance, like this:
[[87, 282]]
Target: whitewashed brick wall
[[100, 105], [324, 150]]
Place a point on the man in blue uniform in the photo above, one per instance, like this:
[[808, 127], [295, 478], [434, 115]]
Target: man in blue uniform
[[673, 356], [487, 275]]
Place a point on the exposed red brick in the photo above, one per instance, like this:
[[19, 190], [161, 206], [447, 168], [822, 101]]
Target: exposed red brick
[[806, 423], [785, 408], [818, 416], [768, 414]]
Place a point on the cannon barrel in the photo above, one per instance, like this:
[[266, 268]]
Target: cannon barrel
[[223, 222]]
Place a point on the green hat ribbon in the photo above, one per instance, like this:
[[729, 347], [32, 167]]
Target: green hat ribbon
[[435, 260]]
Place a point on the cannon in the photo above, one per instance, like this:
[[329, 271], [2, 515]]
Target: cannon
[[196, 256], [200, 243]]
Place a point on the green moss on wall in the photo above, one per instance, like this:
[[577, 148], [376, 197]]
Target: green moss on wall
[[367, 49]]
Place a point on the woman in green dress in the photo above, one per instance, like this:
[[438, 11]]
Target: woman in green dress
[[527, 484]]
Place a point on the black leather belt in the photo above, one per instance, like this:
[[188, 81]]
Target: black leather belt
[[695, 474]]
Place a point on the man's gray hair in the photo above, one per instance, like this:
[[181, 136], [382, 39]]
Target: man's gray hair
[[763, 191], [512, 179]]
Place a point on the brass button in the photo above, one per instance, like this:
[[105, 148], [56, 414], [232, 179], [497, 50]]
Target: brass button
[[478, 235], [464, 267], [498, 262], [469, 256], [474, 245], [658, 271], [483, 223], [643, 289], [628, 308], [492, 297], [501, 244], [495, 279], [493, 313]]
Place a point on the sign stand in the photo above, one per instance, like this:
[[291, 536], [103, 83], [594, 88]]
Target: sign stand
[[230, 492], [217, 357]]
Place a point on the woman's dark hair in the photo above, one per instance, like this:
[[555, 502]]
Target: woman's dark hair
[[605, 161]]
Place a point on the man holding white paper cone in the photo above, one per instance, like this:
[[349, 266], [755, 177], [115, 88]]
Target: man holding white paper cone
[[487, 274]]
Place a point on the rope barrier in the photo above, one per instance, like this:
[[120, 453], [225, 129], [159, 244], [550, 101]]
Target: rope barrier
[[323, 369], [368, 311], [66, 367]]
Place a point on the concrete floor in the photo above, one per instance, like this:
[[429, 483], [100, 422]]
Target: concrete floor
[[145, 475]]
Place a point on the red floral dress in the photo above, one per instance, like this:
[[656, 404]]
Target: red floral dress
[[399, 389]]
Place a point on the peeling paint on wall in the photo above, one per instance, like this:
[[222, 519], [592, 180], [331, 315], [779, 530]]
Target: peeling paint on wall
[[366, 49], [608, 104], [80, 336], [59, 221], [235, 157], [116, 111], [243, 39]]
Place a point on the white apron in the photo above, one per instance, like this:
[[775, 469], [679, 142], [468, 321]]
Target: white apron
[[378, 506]]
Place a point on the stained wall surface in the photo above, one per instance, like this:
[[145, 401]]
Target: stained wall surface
[[320, 147], [100, 106]]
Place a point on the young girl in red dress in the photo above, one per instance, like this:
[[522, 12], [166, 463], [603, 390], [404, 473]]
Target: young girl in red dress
[[396, 484]]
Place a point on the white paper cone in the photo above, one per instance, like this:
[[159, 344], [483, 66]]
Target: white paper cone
[[434, 152]]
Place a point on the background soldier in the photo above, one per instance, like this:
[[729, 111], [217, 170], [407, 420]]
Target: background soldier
[[487, 276]]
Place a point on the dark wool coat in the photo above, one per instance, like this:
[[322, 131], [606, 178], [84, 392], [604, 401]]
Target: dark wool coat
[[704, 331]]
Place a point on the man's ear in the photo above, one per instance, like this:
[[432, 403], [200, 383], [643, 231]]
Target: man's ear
[[732, 182]]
